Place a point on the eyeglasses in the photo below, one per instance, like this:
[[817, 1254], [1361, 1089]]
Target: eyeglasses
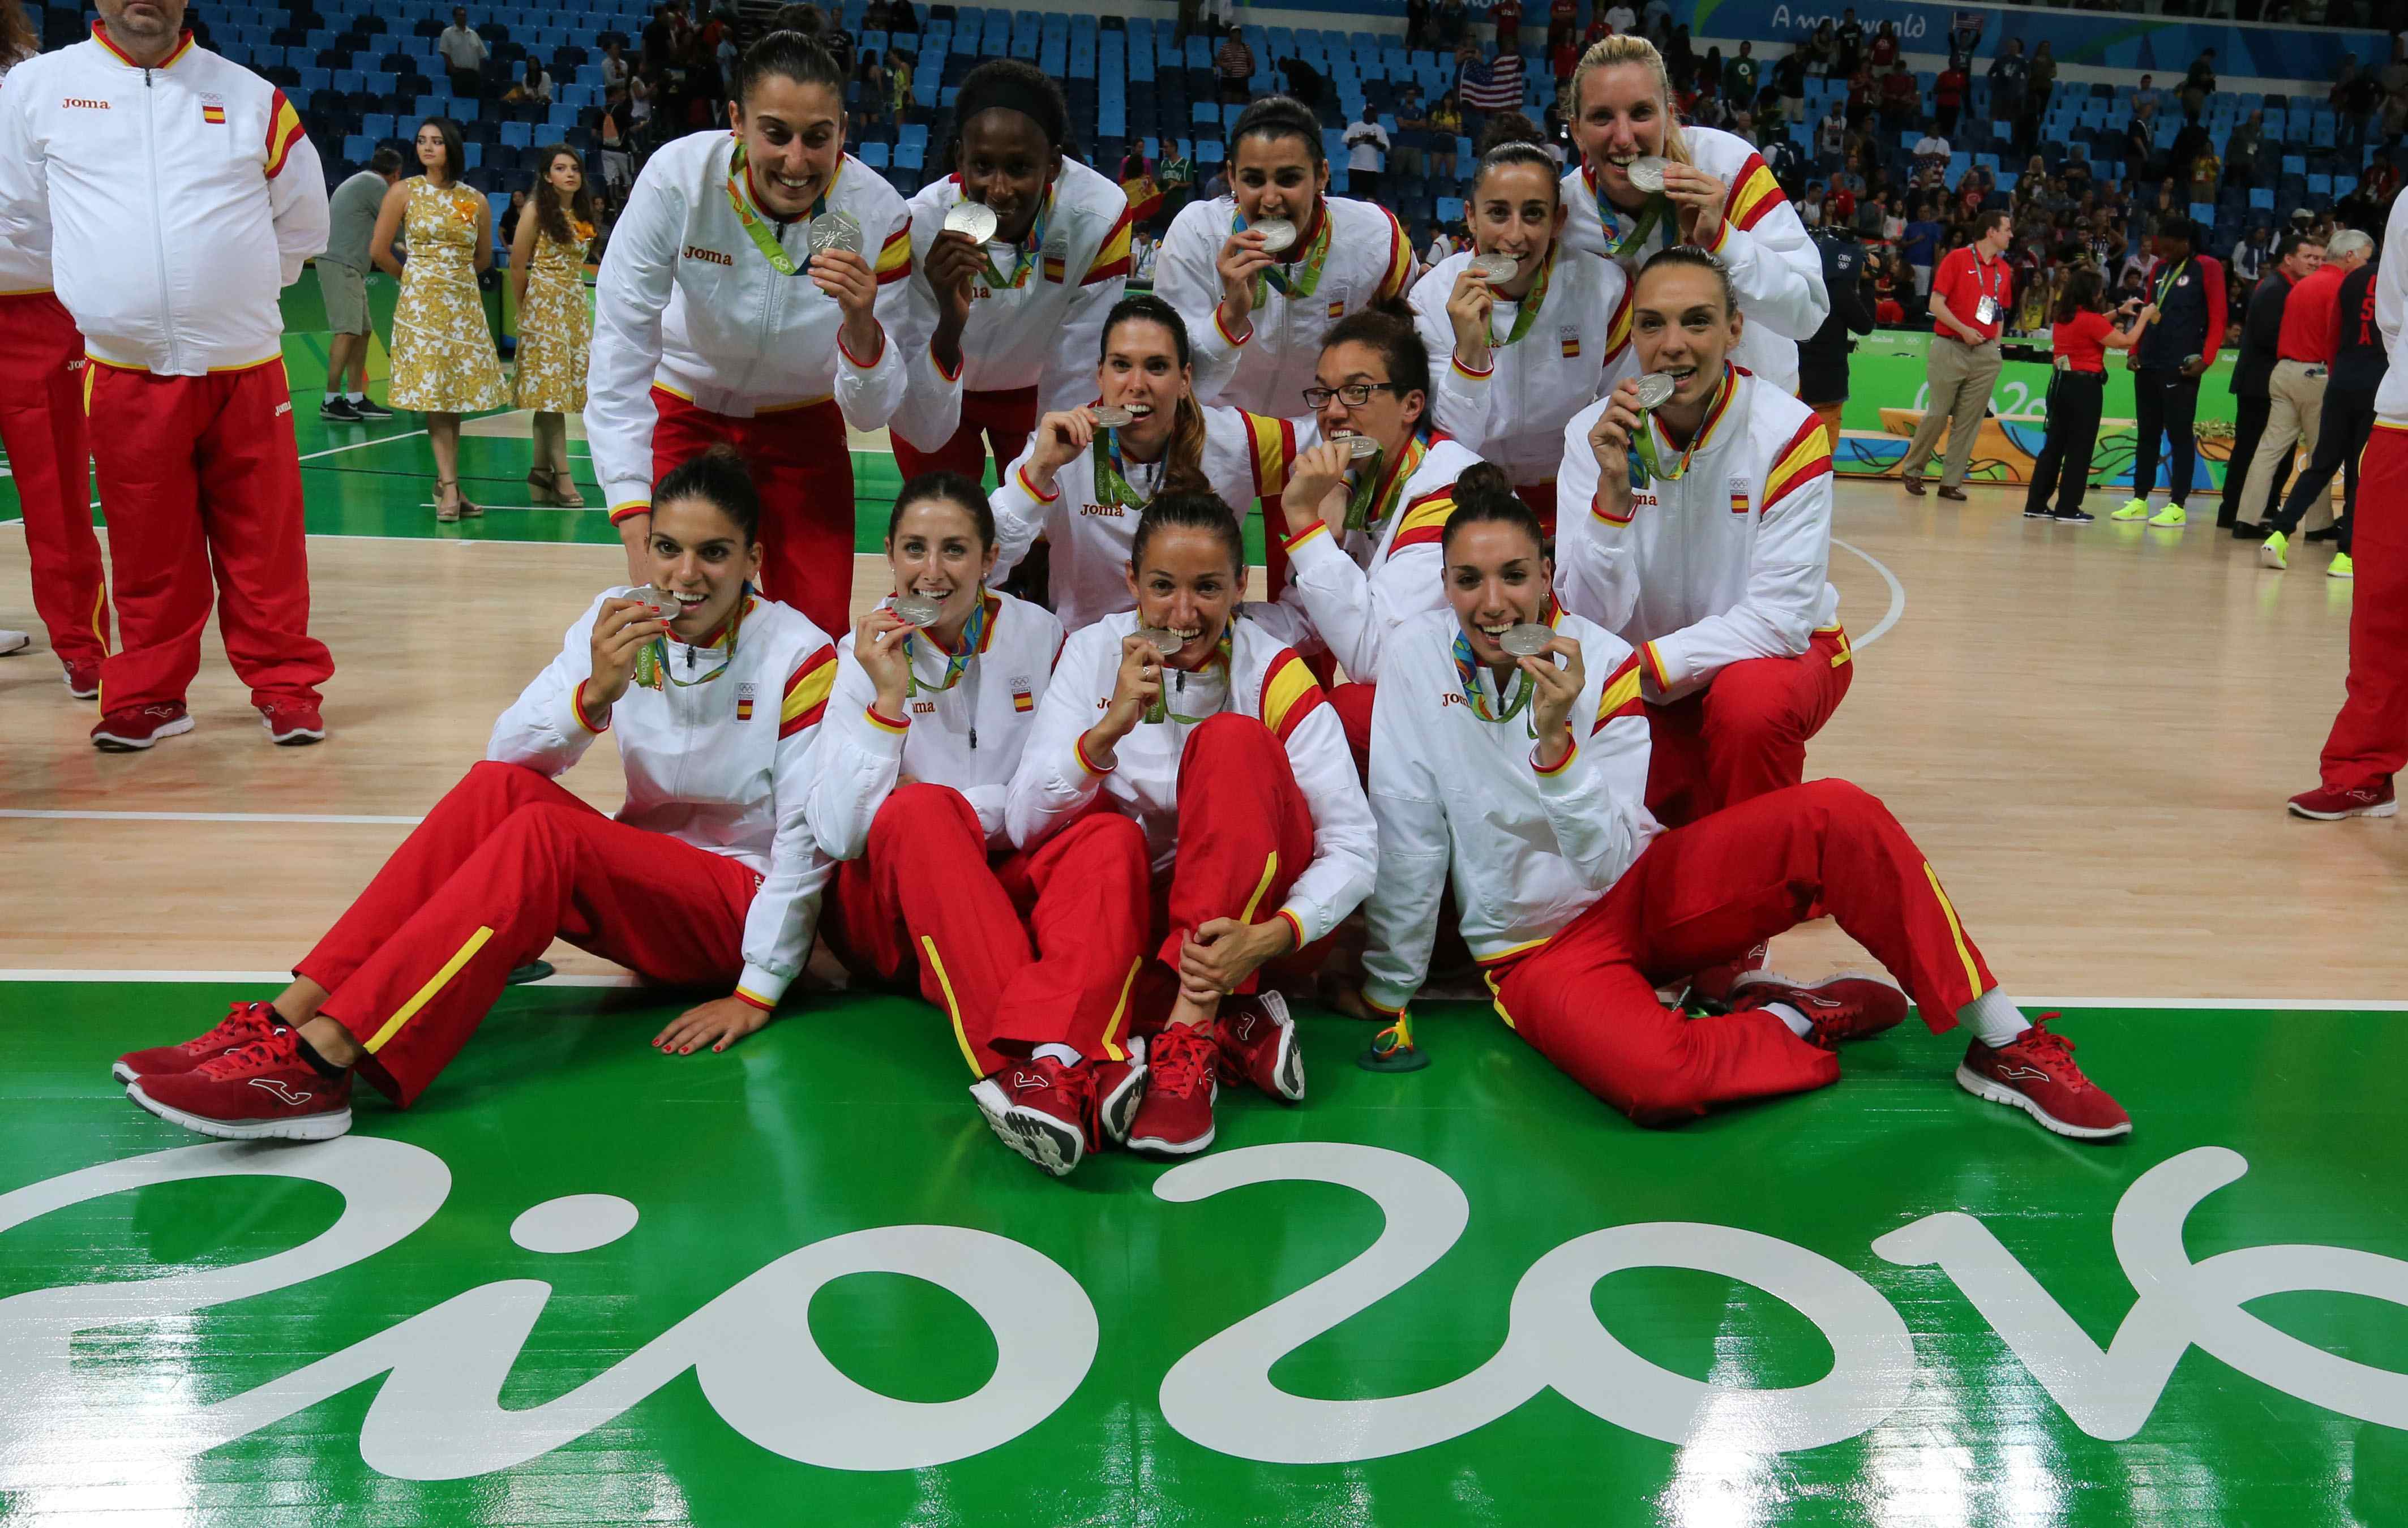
[[1353, 395]]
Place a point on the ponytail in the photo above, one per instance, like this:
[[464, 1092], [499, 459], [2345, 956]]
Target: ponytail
[[1483, 495]]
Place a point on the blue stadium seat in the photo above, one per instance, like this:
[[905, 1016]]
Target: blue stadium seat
[[873, 154], [2261, 198]]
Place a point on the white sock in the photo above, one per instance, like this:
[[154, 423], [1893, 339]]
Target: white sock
[[357, 397], [1994, 1018], [1062, 1054], [1798, 1023]]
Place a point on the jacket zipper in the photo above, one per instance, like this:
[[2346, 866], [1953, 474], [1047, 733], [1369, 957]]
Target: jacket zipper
[[158, 240]]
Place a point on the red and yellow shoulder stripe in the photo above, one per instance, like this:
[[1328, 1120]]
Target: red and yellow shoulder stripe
[[1617, 329], [1423, 523], [1270, 447], [895, 257], [1620, 697], [1112, 262], [1753, 193], [1398, 278], [807, 691], [1805, 458], [1290, 693], [283, 132]]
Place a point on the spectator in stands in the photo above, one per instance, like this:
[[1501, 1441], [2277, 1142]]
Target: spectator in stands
[[1831, 136], [1563, 23], [1963, 36], [614, 140], [2360, 362], [1235, 66], [2144, 97], [1919, 246], [1304, 81], [660, 36], [2008, 74], [870, 75], [1739, 75], [2353, 101], [898, 69], [342, 285], [1883, 53], [1563, 60], [1971, 294], [2204, 169], [2139, 146], [1789, 83], [2198, 84], [2296, 259], [2040, 83], [2304, 348], [1507, 14], [1452, 25], [2080, 335], [1948, 98], [1144, 250], [1810, 206], [1818, 53], [2241, 149], [533, 88], [2249, 256], [1931, 153], [614, 64], [1413, 127], [1901, 103], [1619, 18], [2103, 242], [1367, 154], [1445, 127], [1847, 43], [463, 53]]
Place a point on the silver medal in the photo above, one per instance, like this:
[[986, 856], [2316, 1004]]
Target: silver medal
[[1360, 447], [1111, 416], [1646, 172], [1496, 267], [1161, 640], [1654, 389], [1278, 234], [662, 605], [835, 231], [918, 609], [1526, 640], [976, 219]]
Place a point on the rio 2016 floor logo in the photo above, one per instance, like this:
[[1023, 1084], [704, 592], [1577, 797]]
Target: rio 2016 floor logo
[[438, 1415]]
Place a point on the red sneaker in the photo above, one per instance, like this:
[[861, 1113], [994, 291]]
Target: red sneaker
[[1120, 1088], [244, 1024], [1258, 1046], [292, 723], [263, 1091], [137, 727], [1176, 1119], [2326, 804], [2036, 1073], [1846, 1005], [1042, 1110], [1715, 982], [82, 678]]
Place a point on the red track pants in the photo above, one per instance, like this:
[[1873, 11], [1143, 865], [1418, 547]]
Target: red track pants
[[2368, 742], [41, 425], [507, 860], [1018, 949], [1353, 703], [1541, 497], [199, 473], [1700, 896], [804, 471], [997, 422], [1745, 733]]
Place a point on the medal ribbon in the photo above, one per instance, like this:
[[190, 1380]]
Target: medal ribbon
[[1160, 710], [1027, 255], [1383, 487], [1316, 256], [973, 632], [1659, 207], [652, 659], [1647, 434], [1532, 300], [755, 226], [1111, 478], [1468, 672]]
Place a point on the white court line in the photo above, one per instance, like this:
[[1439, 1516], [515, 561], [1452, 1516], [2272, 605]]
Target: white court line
[[207, 817], [618, 980], [1897, 596], [362, 445]]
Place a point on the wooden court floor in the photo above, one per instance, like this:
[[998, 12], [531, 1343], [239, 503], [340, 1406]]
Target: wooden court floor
[[2091, 732]]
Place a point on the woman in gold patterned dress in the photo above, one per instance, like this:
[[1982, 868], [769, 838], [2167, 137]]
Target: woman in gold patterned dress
[[443, 360], [555, 326]]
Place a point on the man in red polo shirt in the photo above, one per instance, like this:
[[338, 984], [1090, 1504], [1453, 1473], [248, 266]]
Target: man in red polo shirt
[[1971, 293], [2303, 359]]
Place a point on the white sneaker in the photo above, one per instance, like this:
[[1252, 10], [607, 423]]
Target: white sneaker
[[14, 642]]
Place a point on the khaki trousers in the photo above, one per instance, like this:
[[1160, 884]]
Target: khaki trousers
[[2294, 402], [1962, 376]]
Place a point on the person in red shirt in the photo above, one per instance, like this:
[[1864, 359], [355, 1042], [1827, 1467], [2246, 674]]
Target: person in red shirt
[[1566, 60], [1884, 51], [1507, 17], [1563, 22], [1902, 102], [2081, 335], [1597, 30], [2305, 353], [1971, 294], [1948, 96]]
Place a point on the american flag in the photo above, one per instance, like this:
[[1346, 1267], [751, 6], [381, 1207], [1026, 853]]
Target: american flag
[[1493, 85]]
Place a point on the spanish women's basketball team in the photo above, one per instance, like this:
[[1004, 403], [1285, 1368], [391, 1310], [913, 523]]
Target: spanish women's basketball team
[[1550, 628]]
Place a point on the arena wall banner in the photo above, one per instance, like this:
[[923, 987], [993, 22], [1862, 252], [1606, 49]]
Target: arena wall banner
[[1886, 393]]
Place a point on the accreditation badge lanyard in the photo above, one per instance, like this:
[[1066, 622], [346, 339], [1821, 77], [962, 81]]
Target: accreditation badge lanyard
[[1528, 312], [1316, 255], [1026, 256], [1647, 453], [1383, 489], [652, 659], [1159, 710], [757, 227]]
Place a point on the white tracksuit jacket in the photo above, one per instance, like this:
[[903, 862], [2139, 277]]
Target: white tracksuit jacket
[[1729, 561], [1047, 332], [1458, 796], [2391, 318], [25, 255], [1369, 260], [686, 300], [1774, 265], [729, 765], [1576, 348], [1267, 680], [969, 738], [175, 202]]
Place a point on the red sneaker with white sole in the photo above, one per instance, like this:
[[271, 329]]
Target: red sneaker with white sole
[[1715, 983], [1846, 1005], [1120, 1089], [82, 678], [2036, 1073], [1258, 1046], [137, 727], [262, 1091], [292, 723], [1181, 1087], [244, 1024], [2326, 804], [1042, 1110]]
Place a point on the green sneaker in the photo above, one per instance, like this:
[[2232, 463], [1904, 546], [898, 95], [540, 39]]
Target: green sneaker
[[2171, 517], [2341, 567], [2274, 553], [2133, 509]]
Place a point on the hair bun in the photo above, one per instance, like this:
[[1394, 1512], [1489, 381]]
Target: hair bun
[[1510, 127]]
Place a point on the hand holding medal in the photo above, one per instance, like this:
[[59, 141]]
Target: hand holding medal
[[1558, 690], [1469, 307], [1697, 198], [1244, 258], [624, 628], [957, 256], [1612, 441], [836, 266], [879, 646], [1316, 485]]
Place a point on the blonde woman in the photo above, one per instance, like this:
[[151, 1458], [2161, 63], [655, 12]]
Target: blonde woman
[[555, 326], [1716, 193], [443, 360]]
